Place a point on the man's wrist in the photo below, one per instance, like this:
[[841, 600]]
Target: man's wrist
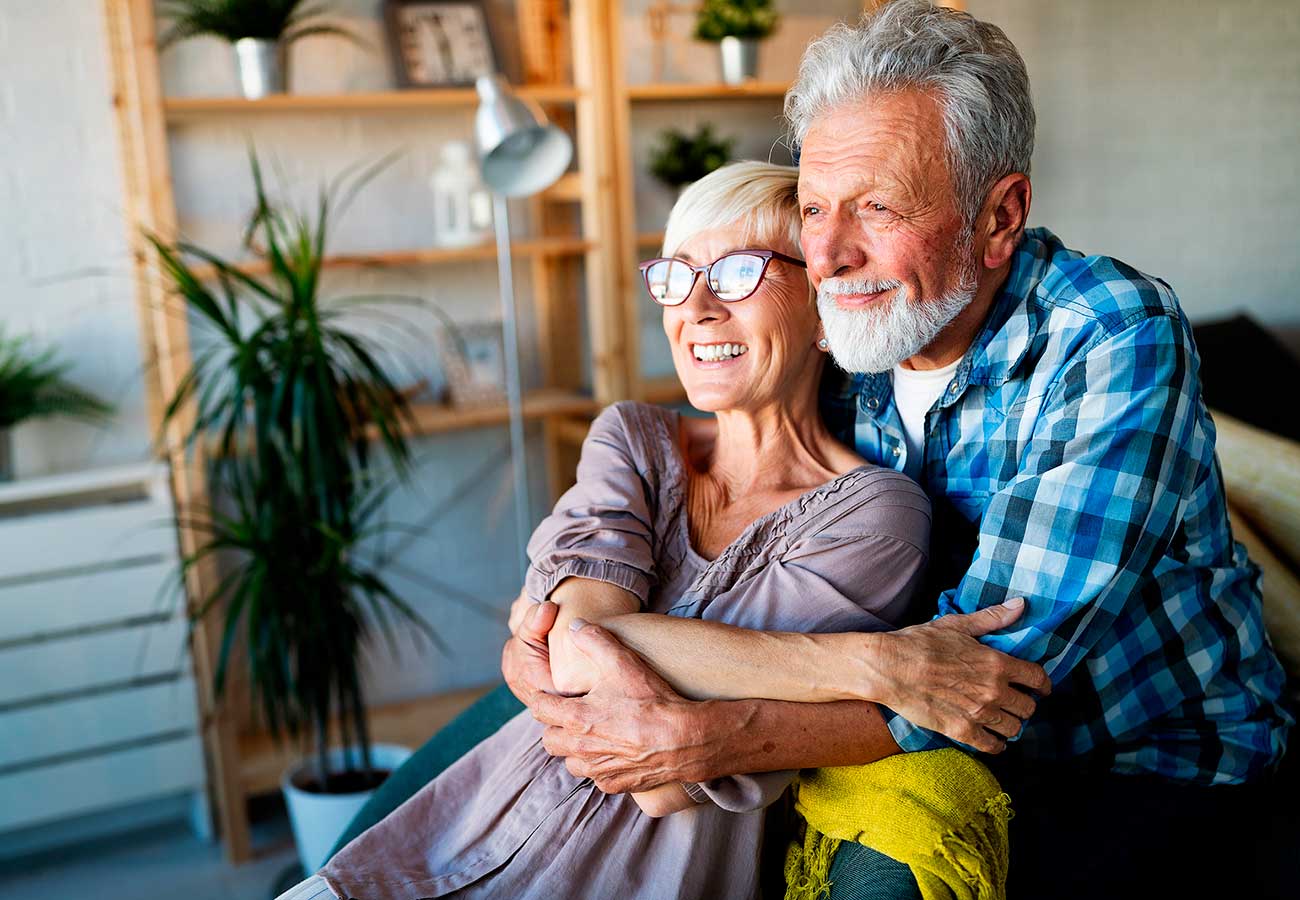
[[707, 731], [849, 666]]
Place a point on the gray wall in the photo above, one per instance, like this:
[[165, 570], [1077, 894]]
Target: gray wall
[[1169, 136]]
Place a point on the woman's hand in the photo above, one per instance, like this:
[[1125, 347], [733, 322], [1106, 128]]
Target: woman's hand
[[939, 676], [526, 657]]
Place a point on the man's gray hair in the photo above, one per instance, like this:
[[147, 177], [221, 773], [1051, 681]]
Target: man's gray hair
[[974, 71]]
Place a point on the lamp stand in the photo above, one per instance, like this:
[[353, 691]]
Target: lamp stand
[[514, 390]]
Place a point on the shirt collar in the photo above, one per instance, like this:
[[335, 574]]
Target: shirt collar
[[1002, 343]]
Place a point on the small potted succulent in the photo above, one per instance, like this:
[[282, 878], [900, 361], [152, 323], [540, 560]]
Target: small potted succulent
[[259, 30], [736, 26], [32, 386], [681, 158]]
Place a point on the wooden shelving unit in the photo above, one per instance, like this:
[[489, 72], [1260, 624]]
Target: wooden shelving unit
[[559, 259]]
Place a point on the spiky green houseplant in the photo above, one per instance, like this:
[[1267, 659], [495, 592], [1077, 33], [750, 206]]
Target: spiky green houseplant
[[33, 386], [232, 20], [718, 19], [284, 393]]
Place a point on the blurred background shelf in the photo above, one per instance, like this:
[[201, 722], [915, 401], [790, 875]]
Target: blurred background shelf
[[179, 108], [668, 93]]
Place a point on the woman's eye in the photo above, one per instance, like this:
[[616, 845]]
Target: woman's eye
[[810, 211]]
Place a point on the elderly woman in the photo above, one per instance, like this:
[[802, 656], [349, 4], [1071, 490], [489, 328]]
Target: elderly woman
[[678, 531]]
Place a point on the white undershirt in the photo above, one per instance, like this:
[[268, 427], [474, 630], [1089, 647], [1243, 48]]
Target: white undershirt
[[915, 392]]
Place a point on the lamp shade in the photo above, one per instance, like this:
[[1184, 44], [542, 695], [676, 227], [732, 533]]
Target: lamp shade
[[520, 152]]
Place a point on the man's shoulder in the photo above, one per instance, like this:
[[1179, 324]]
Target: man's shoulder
[[1098, 293]]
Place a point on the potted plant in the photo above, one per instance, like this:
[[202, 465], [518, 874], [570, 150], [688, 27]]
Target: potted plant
[[259, 30], [681, 158], [292, 403], [736, 26], [32, 386]]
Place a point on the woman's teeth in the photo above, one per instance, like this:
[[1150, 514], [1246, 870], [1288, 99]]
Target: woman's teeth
[[715, 352]]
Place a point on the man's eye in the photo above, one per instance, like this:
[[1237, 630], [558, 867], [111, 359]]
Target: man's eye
[[879, 207]]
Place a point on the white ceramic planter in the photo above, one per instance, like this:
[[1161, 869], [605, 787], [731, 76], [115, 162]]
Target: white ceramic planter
[[319, 819], [261, 65], [739, 59]]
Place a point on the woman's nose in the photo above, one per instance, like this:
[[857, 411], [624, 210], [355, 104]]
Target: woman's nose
[[701, 307]]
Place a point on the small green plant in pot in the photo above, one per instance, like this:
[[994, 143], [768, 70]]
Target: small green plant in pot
[[681, 157], [293, 403], [260, 31], [33, 386], [736, 26]]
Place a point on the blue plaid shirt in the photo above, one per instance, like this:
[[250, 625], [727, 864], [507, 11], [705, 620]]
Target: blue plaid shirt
[[1071, 462]]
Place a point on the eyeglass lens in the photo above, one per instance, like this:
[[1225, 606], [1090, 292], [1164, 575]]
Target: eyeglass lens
[[731, 278]]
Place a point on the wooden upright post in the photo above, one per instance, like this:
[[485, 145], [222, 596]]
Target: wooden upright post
[[142, 133]]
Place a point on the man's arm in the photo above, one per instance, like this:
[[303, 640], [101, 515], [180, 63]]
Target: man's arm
[[634, 732]]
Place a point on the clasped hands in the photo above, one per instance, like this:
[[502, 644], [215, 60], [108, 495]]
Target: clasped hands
[[633, 732]]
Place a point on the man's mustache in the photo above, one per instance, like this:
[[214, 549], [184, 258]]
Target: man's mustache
[[838, 287]]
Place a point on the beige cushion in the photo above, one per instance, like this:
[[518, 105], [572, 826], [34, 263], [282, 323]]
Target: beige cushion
[[1262, 474], [1281, 596]]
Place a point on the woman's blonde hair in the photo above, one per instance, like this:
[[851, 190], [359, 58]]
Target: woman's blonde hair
[[759, 197]]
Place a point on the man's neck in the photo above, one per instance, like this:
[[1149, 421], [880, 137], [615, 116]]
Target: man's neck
[[953, 342]]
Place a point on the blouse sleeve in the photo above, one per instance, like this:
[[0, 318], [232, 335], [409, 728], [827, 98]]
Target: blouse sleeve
[[601, 528], [857, 573]]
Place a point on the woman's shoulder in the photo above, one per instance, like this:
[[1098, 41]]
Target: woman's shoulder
[[871, 500], [641, 432]]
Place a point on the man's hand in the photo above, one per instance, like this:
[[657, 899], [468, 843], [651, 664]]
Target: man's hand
[[526, 657], [938, 676], [631, 732]]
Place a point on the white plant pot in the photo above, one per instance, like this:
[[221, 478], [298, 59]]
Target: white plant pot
[[319, 820], [739, 59], [262, 65]]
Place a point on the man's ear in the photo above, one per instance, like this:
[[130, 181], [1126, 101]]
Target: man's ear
[[1006, 210]]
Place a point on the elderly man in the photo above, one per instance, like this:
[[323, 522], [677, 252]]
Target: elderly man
[[1049, 403]]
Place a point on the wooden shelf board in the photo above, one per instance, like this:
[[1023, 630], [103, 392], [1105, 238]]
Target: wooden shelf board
[[535, 247], [262, 763], [433, 418], [664, 93], [178, 108], [650, 239]]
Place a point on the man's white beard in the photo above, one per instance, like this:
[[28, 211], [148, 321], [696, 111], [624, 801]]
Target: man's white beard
[[879, 337]]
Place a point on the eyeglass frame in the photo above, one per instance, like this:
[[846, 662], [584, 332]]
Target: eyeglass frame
[[766, 255]]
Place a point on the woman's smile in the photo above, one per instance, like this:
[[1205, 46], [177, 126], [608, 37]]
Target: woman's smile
[[717, 354]]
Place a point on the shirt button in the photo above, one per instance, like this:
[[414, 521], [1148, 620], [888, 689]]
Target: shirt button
[[872, 403], [952, 388], [898, 451]]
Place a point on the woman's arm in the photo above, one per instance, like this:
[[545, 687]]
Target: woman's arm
[[702, 660]]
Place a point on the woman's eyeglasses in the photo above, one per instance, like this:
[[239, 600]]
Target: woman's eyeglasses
[[731, 277]]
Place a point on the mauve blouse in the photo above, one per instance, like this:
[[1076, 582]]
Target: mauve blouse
[[508, 821]]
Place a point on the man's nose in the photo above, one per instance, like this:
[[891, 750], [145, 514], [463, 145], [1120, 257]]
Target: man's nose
[[834, 250]]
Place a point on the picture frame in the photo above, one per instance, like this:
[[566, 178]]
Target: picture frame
[[472, 358], [439, 43]]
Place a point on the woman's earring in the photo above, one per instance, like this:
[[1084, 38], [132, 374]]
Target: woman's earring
[[823, 344]]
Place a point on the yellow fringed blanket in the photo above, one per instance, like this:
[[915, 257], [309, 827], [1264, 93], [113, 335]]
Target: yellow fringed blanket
[[938, 811]]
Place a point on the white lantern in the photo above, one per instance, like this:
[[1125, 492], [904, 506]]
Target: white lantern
[[462, 206]]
